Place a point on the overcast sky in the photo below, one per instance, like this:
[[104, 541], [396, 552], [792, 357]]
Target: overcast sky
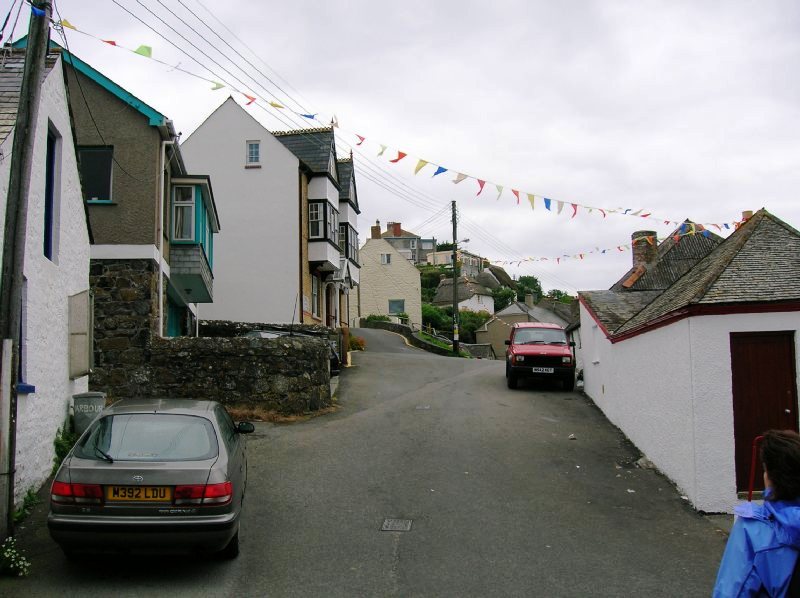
[[682, 109]]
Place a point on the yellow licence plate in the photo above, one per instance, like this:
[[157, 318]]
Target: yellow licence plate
[[139, 493]]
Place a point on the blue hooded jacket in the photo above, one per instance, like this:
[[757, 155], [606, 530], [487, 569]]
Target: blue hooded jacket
[[762, 550]]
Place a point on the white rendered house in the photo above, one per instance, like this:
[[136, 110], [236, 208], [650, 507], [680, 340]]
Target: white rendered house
[[55, 342], [694, 352]]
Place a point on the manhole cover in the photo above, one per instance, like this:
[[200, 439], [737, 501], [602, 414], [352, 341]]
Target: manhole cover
[[396, 525], [422, 407]]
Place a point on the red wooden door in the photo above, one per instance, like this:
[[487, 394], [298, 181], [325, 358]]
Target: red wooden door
[[764, 393]]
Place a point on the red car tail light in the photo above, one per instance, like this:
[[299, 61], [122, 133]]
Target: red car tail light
[[204, 494], [63, 492]]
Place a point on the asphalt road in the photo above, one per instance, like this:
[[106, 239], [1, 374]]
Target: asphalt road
[[509, 493]]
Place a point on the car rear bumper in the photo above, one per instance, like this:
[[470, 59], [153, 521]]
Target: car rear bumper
[[150, 534]]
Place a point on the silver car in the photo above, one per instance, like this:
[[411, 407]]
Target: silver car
[[164, 475]]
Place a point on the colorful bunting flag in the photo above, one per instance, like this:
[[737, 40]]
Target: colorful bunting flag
[[516, 194], [38, 12], [145, 51], [383, 149], [574, 210], [439, 170], [480, 184], [459, 177], [335, 122], [531, 198], [420, 165], [277, 105], [360, 139], [310, 116], [560, 206], [250, 98], [400, 156], [217, 86], [110, 42], [499, 191], [67, 24], [547, 203]]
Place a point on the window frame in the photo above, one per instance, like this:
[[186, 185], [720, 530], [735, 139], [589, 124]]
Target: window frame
[[386, 259], [52, 194], [248, 154], [395, 301], [315, 296], [86, 149], [183, 204], [315, 209]]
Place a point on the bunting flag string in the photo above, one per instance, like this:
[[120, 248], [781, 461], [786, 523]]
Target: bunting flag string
[[147, 52], [685, 230]]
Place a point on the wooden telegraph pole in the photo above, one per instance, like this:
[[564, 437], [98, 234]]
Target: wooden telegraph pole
[[14, 248], [455, 279]]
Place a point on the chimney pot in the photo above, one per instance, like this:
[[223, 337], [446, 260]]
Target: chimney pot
[[529, 299], [396, 230], [644, 247], [375, 231], [747, 215]]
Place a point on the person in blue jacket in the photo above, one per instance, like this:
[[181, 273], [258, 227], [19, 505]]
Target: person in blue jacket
[[762, 550]]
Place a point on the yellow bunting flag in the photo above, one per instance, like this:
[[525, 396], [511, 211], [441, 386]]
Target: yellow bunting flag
[[217, 86], [145, 51], [531, 198], [276, 105], [459, 178], [68, 25], [420, 165], [499, 191]]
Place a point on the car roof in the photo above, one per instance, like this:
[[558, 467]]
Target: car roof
[[537, 325], [175, 406]]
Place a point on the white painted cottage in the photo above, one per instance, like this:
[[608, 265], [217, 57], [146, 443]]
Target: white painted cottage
[[55, 341], [390, 283], [694, 352]]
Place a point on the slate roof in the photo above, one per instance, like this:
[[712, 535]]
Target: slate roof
[[675, 258], [466, 289], [502, 276], [346, 173], [312, 146], [11, 68], [758, 263], [389, 234]]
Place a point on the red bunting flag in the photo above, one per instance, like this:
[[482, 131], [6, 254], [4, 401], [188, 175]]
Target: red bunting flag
[[516, 194], [480, 184], [602, 211], [574, 211], [400, 156], [646, 215], [360, 139], [251, 98], [110, 42]]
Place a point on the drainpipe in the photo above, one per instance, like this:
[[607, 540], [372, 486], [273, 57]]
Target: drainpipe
[[164, 145]]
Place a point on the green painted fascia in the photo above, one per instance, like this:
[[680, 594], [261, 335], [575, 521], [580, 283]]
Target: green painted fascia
[[155, 118]]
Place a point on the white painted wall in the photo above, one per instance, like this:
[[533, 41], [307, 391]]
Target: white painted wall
[[381, 282], [669, 391], [256, 253], [478, 303], [321, 187], [47, 288], [347, 214]]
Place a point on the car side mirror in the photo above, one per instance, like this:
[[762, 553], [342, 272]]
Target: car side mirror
[[508, 341], [245, 428]]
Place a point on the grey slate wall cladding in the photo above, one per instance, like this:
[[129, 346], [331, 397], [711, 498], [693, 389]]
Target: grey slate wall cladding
[[290, 376]]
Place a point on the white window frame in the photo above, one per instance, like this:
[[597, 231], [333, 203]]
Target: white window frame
[[253, 158], [315, 216], [182, 204], [333, 224], [403, 310], [315, 296], [386, 259]]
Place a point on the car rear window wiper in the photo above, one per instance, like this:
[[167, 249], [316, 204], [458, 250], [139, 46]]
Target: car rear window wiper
[[103, 454], [533, 343]]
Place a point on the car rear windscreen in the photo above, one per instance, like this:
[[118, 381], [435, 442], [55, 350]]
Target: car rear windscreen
[[149, 437]]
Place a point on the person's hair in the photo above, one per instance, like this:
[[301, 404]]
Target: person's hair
[[780, 454]]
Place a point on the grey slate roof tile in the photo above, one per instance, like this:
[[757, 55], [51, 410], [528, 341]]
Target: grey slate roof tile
[[312, 146], [11, 67]]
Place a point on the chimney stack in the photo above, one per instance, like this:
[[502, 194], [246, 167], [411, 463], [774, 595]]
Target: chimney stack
[[375, 231], [747, 215], [529, 299], [396, 230], [644, 246]]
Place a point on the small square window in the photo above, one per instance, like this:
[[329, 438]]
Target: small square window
[[397, 306], [386, 258]]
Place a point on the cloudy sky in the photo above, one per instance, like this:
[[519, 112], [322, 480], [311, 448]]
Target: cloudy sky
[[680, 109]]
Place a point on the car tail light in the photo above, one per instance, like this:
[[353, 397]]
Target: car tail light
[[204, 494], [63, 492]]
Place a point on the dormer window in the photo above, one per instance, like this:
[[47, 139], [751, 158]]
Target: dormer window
[[183, 214]]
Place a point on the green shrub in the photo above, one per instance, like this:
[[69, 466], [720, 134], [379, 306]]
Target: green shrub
[[378, 318], [436, 317], [357, 343], [63, 443]]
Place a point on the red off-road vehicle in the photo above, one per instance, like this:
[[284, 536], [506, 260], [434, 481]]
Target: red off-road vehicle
[[539, 350]]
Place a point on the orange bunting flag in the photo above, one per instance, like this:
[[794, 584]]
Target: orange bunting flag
[[400, 156], [480, 184], [360, 139], [499, 191], [574, 211], [420, 165], [676, 238], [276, 105], [110, 42], [459, 177], [383, 149], [516, 194], [251, 98], [217, 86], [68, 25], [531, 198]]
